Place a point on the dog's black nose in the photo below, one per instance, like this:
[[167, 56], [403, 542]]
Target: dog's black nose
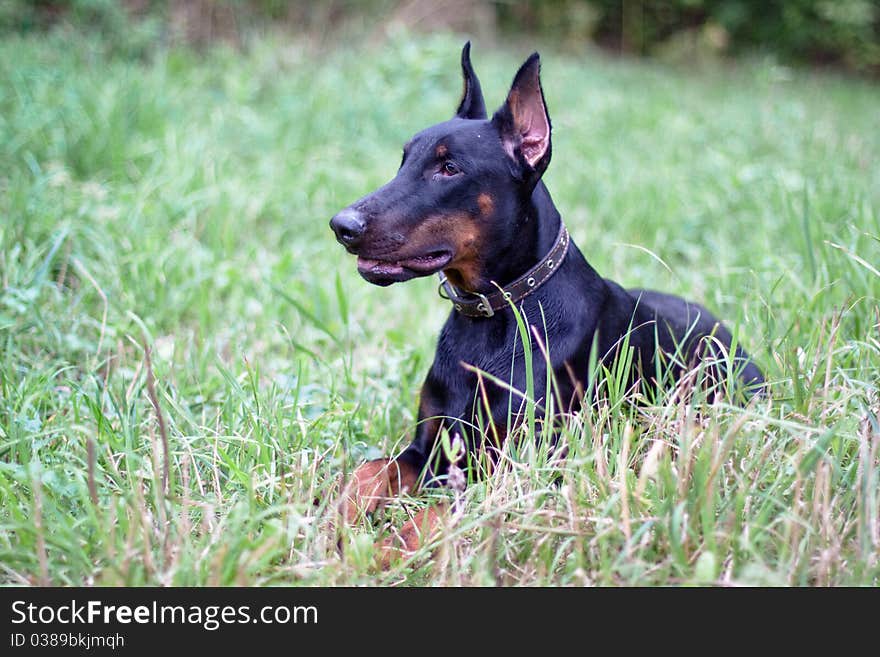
[[349, 226]]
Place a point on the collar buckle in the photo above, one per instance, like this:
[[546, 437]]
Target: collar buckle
[[448, 291], [484, 306]]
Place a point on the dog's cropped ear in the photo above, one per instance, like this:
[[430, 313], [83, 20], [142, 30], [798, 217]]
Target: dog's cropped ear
[[523, 120], [471, 105]]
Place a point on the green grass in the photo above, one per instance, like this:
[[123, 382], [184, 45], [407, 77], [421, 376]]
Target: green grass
[[183, 203]]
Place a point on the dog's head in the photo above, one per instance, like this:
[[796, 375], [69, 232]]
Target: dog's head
[[457, 200]]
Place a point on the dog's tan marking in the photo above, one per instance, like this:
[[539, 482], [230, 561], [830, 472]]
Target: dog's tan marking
[[465, 271], [486, 203], [462, 232]]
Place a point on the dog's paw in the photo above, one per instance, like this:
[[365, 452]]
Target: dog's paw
[[405, 541], [371, 485]]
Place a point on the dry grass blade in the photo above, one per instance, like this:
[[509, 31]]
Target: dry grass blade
[[160, 418]]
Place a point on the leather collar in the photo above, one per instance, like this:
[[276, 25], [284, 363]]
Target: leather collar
[[482, 305]]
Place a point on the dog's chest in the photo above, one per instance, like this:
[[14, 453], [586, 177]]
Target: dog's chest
[[496, 346]]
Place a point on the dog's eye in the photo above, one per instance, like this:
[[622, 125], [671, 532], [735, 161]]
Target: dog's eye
[[449, 169]]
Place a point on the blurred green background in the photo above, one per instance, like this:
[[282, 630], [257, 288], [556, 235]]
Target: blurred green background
[[844, 33]]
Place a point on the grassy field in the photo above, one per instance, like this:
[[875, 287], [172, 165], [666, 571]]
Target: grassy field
[[182, 203]]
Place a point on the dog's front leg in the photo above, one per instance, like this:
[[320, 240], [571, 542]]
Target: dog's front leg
[[375, 482]]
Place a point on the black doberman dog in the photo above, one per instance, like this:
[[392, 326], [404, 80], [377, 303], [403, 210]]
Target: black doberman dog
[[468, 203]]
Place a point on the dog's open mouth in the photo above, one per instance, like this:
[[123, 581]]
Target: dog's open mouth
[[386, 272]]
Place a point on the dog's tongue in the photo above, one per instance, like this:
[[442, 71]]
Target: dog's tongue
[[382, 267]]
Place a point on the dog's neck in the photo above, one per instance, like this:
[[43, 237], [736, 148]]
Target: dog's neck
[[546, 221], [538, 229]]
